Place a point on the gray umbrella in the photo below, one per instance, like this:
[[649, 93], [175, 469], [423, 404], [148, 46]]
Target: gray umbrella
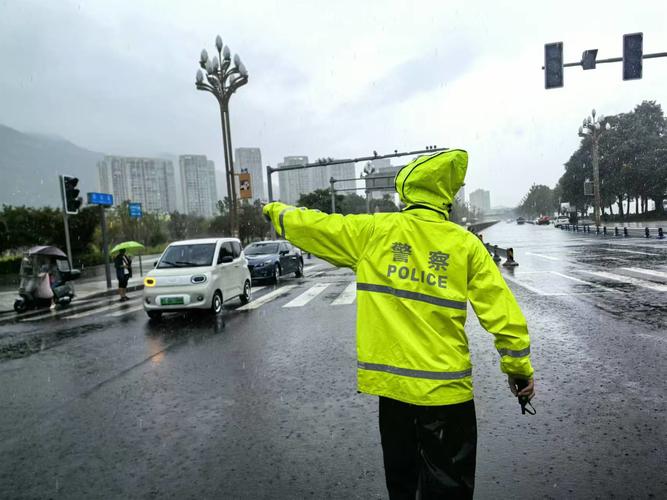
[[47, 250]]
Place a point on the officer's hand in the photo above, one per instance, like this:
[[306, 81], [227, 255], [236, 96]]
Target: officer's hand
[[529, 390]]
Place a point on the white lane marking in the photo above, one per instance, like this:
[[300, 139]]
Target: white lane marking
[[630, 251], [629, 280], [95, 311], [312, 266], [266, 298], [256, 288], [125, 311], [308, 295], [594, 285], [348, 296], [649, 272], [541, 255], [529, 287]]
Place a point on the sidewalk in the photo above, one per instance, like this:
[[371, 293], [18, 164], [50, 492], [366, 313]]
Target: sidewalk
[[83, 290]]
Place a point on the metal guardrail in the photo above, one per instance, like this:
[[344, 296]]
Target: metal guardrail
[[499, 253], [624, 232]]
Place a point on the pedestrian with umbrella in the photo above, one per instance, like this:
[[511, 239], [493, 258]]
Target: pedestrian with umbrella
[[123, 264]]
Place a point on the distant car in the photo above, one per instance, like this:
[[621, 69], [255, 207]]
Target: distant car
[[521, 220], [545, 219], [272, 259], [197, 274], [561, 220]]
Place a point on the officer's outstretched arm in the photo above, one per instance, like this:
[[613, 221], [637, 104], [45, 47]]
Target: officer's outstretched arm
[[338, 239], [499, 313]]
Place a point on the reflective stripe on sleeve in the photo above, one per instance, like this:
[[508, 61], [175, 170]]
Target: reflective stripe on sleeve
[[514, 354], [405, 294], [406, 372], [281, 221]]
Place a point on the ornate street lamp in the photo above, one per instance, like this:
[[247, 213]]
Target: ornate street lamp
[[594, 127], [222, 79]]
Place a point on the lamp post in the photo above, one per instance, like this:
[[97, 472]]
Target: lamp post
[[594, 126], [222, 79]]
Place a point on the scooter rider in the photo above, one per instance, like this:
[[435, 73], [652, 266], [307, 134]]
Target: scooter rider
[[415, 273]]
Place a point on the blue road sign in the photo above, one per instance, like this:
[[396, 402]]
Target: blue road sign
[[104, 199], [135, 210]]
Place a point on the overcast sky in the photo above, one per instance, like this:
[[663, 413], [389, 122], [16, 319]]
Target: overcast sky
[[336, 79]]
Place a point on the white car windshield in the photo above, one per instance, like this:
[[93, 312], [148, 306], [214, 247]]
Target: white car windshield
[[196, 255], [262, 249]]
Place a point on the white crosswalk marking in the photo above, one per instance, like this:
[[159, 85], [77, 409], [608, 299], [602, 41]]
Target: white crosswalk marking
[[125, 311], [60, 312], [266, 298], [348, 295], [648, 272], [629, 280], [589, 283], [98, 310], [630, 251], [308, 295], [541, 255]]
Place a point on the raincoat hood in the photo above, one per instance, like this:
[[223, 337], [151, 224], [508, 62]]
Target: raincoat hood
[[432, 180]]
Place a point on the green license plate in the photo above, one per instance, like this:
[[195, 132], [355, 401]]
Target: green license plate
[[171, 301]]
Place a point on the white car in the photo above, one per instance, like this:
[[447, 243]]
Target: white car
[[561, 220], [197, 274]]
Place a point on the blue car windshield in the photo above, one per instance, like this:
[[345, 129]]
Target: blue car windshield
[[261, 249], [196, 255]]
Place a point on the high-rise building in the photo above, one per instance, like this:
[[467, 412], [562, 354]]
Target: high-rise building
[[294, 183], [381, 182], [200, 194], [341, 171], [461, 196], [481, 200], [149, 181], [250, 159]]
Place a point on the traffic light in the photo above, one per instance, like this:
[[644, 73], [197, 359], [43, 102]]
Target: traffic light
[[553, 65], [633, 51], [588, 59], [71, 194]]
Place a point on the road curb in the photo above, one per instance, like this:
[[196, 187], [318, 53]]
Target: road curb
[[94, 295]]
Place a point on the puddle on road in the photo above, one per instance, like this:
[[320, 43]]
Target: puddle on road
[[40, 341]]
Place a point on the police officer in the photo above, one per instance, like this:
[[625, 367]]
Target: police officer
[[415, 272]]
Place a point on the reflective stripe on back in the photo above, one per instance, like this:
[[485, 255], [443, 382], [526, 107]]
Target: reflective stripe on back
[[514, 354], [406, 372], [281, 219], [406, 294]]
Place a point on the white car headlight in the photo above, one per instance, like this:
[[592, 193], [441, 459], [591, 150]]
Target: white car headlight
[[198, 279]]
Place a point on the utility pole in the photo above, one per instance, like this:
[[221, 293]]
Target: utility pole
[[593, 127]]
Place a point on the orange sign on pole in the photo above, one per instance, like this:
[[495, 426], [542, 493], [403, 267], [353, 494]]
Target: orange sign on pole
[[245, 186]]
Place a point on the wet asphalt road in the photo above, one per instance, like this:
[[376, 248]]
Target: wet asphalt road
[[263, 404]]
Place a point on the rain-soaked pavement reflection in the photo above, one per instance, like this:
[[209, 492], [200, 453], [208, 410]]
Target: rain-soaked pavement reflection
[[98, 401]]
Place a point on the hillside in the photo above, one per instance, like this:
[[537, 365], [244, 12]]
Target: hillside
[[30, 164]]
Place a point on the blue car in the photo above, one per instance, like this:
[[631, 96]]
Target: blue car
[[273, 259]]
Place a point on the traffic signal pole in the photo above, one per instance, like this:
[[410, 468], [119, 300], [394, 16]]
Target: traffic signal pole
[[324, 163], [633, 55], [105, 246], [66, 224]]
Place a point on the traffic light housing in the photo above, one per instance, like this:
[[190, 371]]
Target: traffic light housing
[[72, 200], [553, 65], [633, 51]]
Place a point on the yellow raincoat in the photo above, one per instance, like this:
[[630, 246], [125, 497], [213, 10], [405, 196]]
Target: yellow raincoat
[[415, 272]]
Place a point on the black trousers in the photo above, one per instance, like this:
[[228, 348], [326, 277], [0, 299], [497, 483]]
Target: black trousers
[[429, 451]]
